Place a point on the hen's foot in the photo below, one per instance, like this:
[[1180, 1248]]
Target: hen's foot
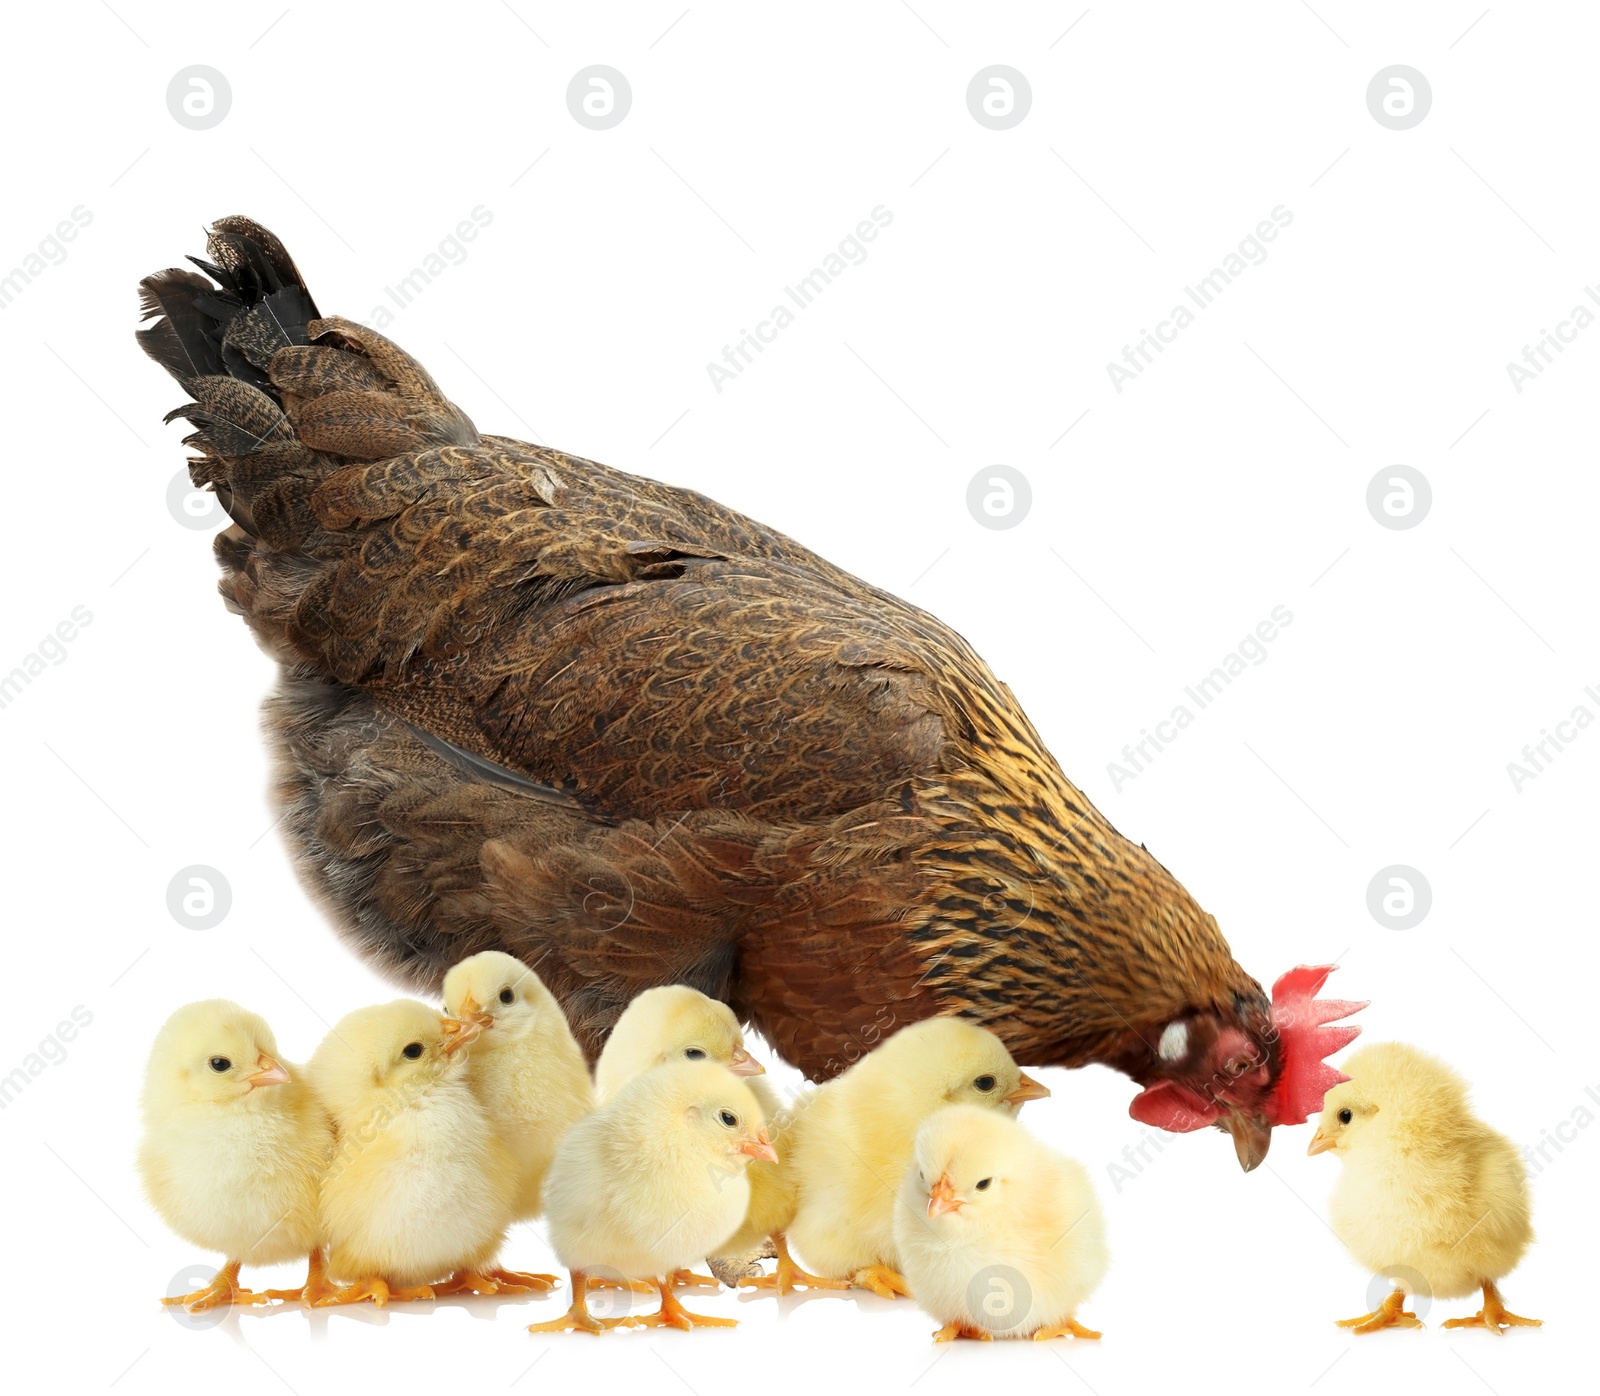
[[1070, 1328], [1392, 1313], [882, 1281], [375, 1288], [577, 1317], [224, 1289], [1493, 1315], [672, 1314], [789, 1276], [952, 1331]]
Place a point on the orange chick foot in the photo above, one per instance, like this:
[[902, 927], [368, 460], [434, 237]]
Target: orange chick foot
[[496, 1282], [1392, 1313], [672, 1314], [951, 1331], [1070, 1328], [687, 1279], [314, 1289], [1494, 1315], [375, 1288], [224, 1289], [577, 1317], [789, 1276], [882, 1281]]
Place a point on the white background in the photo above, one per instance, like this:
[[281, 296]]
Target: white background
[[1229, 479]]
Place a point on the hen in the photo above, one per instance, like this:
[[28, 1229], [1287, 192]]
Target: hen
[[534, 704]]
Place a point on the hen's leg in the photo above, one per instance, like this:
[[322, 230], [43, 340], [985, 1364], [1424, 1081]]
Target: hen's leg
[[577, 1317], [788, 1276], [1493, 1315], [1070, 1327], [223, 1289], [1392, 1313], [375, 1288]]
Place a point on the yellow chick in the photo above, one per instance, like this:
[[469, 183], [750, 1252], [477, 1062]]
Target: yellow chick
[[677, 1023], [234, 1148], [848, 1147], [651, 1181], [420, 1185], [526, 1068], [998, 1234], [1430, 1195]]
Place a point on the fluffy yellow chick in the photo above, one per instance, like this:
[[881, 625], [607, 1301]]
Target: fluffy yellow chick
[[234, 1148], [1429, 1195], [848, 1147], [526, 1068], [677, 1023], [420, 1185], [998, 1235], [650, 1182]]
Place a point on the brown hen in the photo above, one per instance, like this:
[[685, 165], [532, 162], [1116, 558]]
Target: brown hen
[[532, 703]]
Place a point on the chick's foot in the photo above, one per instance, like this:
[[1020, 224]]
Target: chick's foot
[[1069, 1328], [314, 1289], [1392, 1313], [1494, 1315], [375, 1288], [224, 1289], [789, 1276], [496, 1282], [882, 1281], [577, 1317], [672, 1314], [951, 1331]]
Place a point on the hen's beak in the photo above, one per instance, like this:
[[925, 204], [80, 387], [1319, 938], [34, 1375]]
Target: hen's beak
[[458, 1032], [759, 1147], [1027, 1089], [1252, 1136], [942, 1197], [472, 1013], [1320, 1143], [743, 1064], [269, 1074]]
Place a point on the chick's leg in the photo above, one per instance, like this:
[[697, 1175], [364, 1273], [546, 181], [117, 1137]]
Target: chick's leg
[[1071, 1327], [577, 1317], [316, 1286], [951, 1331], [223, 1289], [492, 1281], [1392, 1313], [789, 1276], [882, 1281], [375, 1288], [672, 1314], [1493, 1315]]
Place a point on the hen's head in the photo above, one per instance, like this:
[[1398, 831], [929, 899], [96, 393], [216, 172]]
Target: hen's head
[[1244, 1066]]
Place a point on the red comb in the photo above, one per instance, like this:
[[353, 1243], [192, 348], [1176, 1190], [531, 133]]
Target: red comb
[[1302, 1019]]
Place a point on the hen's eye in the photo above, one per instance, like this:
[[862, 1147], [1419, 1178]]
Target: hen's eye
[[506, 996], [1344, 1116], [984, 1083], [728, 1118], [412, 1050], [220, 1064], [983, 1184], [695, 1054]]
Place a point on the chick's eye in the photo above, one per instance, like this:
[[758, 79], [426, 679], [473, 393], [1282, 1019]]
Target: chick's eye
[[728, 1118], [984, 1083], [695, 1054], [1344, 1116], [220, 1064], [412, 1050], [983, 1184], [506, 996]]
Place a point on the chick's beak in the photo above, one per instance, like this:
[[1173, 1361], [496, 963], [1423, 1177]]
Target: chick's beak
[[269, 1073], [1027, 1089], [743, 1064], [1252, 1136], [472, 1012], [942, 1197], [1320, 1143], [759, 1147], [458, 1032]]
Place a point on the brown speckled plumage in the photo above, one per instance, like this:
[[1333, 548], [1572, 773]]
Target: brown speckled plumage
[[535, 703]]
